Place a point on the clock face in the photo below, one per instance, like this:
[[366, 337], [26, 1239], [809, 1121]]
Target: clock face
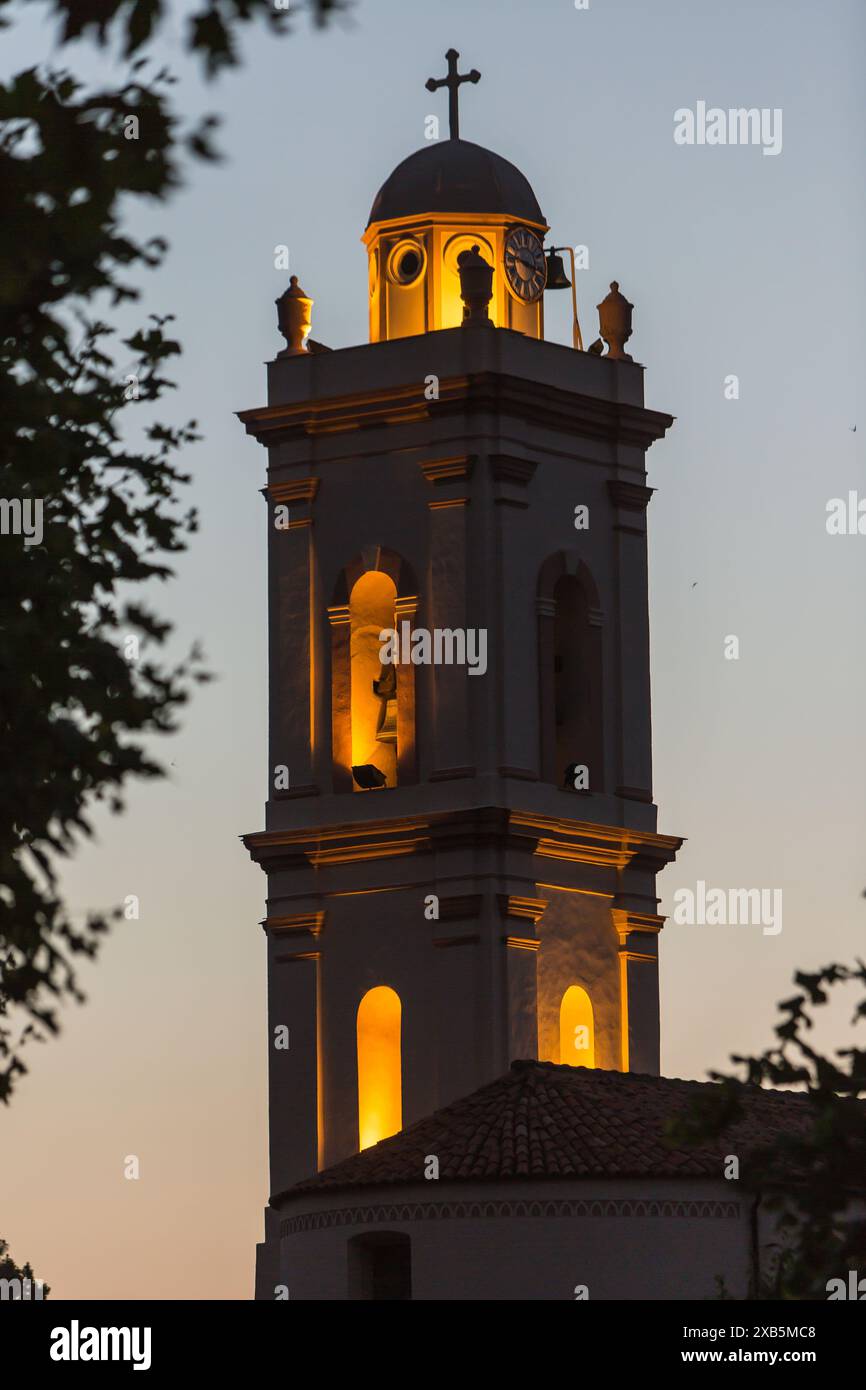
[[525, 267]]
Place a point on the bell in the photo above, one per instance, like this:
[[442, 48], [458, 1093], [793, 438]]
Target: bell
[[556, 276], [387, 730]]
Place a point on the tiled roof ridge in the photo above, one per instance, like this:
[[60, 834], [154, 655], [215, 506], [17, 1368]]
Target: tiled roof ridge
[[543, 1120], [624, 1077]]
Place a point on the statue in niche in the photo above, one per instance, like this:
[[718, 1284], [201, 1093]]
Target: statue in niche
[[385, 690]]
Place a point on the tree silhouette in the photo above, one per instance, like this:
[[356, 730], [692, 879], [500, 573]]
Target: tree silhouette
[[74, 705], [22, 1279], [813, 1176]]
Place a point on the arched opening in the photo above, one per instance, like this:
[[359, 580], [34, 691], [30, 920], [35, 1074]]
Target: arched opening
[[451, 307], [576, 1029], [380, 1266], [570, 677], [380, 1073], [373, 686], [372, 725]]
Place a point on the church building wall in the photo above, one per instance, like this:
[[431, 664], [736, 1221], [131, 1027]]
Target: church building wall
[[617, 1239]]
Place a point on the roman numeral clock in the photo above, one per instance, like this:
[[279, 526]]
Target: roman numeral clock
[[525, 266]]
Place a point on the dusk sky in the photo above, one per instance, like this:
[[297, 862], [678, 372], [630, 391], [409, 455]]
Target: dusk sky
[[737, 262]]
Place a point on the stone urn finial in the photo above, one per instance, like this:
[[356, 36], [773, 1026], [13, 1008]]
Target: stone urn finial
[[293, 318], [476, 288], [614, 317]]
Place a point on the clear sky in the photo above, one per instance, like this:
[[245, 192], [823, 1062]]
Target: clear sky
[[737, 263]]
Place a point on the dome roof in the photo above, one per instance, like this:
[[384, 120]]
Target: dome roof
[[455, 176]]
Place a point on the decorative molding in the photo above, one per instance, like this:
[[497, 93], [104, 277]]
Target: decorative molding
[[449, 774], [522, 943], [286, 793], [509, 468], [338, 614], [600, 854], [636, 1208], [524, 909], [311, 922], [439, 471], [635, 794], [406, 606], [353, 854], [632, 497], [446, 502], [496, 393], [511, 476], [587, 843], [298, 490], [643, 921], [627, 922], [551, 837]]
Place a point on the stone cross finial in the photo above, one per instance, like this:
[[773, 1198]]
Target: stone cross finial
[[452, 82]]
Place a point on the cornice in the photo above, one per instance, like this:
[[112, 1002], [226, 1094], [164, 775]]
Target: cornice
[[422, 221], [306, 922], [294, 490], [631, 497], [521, 908], [441, 471], [497, 393], [551, 837]]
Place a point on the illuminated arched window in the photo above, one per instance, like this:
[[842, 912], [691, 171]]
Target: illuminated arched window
[[380, 1081], [374, 686], [576, 1029]]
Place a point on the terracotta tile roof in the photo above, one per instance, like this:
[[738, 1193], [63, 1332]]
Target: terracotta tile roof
[[547, 1121]]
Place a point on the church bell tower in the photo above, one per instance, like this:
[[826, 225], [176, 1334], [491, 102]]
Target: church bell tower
[[461, 846]]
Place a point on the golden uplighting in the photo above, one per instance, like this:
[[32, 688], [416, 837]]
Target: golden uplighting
[[380, 1080], [576, 1029], [414, 284], [371, 608]]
